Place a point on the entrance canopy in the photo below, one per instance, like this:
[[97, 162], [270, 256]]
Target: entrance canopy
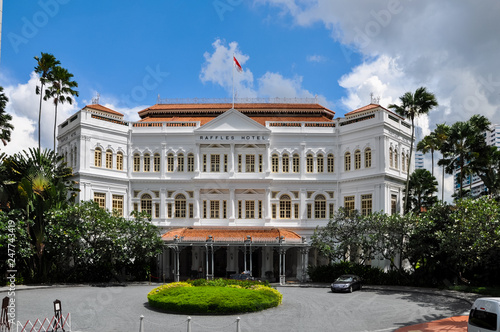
[[234, 236]]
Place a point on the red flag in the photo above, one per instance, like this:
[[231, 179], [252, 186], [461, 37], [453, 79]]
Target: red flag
[[237, 65]]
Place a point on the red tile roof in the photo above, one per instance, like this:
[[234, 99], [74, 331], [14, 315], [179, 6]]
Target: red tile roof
[[370, 107], [101, 108], [233, 235], [268, 109], [260, 119]]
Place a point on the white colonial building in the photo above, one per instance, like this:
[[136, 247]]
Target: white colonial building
[[243, 188]]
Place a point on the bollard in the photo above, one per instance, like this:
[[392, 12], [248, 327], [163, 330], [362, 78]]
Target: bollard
[[238, 324], [189, 324], [141, 326]]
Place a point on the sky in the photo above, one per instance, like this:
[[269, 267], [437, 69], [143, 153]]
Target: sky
[[340, 52]]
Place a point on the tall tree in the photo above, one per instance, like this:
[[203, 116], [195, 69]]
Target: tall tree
[[423, 186], [465, 143], [38, 182], [428, 144], [61, 91], [45, 65], [441, 135], [412, 106], [5, 126]]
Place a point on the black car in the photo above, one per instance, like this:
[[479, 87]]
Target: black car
[[346, 283], [241, 276]]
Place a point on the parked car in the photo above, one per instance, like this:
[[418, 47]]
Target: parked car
[[346, 283], [484, 315], [241, 276]]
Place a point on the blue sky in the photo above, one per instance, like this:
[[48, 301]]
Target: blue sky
[[340, 51]]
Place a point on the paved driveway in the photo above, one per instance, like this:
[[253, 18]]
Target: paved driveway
[[303, 309]]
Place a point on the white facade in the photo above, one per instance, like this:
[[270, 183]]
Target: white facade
[[233, 171]]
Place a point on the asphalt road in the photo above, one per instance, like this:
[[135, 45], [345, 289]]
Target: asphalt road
[[303, 309]]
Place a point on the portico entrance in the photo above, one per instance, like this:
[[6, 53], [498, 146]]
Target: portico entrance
[[271, 254]]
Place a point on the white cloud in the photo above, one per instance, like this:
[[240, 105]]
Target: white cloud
[[22, 137], [218, 66], [218, 69], [23, 105], [447, 46], [316, 58]]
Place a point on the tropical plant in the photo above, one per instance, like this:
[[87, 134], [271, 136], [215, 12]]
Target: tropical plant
[[99, 244], [428, 144], [423, 186], [441, 135], [487, 167], [5, 126], [44, 68], [412, 106], [465, 144], [37, 183], [61, 91]]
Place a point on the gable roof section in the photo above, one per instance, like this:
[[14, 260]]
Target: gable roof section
[[367, 109], [230, 121], [101, 108]]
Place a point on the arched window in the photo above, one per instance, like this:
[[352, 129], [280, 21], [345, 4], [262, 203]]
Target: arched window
[[137, 162], [391, 157], [180, 162], [347, 161], [320, 207], [296, 163], [309, 163], [320, 163], [147, 204], [274, 163], [285, 207], [368, 158], [286, 163], [109, 159], [147, 162], [170, 162], [180, 206], [156, 162], [396, 162], [190, 162], [330, 163], [357, 159], [97, 157], [119, 161]]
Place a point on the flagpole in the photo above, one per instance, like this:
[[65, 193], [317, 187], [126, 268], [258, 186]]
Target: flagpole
[[233, 79]]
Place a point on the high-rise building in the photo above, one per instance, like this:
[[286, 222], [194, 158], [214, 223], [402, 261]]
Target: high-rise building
[[239, 189]]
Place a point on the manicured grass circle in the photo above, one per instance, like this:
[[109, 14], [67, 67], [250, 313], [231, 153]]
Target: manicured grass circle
[[213, 299]]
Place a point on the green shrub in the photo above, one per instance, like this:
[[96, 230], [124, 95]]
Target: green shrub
[[210, 299]]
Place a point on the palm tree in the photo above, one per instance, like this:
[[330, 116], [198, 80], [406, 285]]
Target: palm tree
[[464, 145], [38, 182], [413, 105], [422, 187], [441, 135], [61, 91], [5, 126], [428, 143], [45, 65]]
